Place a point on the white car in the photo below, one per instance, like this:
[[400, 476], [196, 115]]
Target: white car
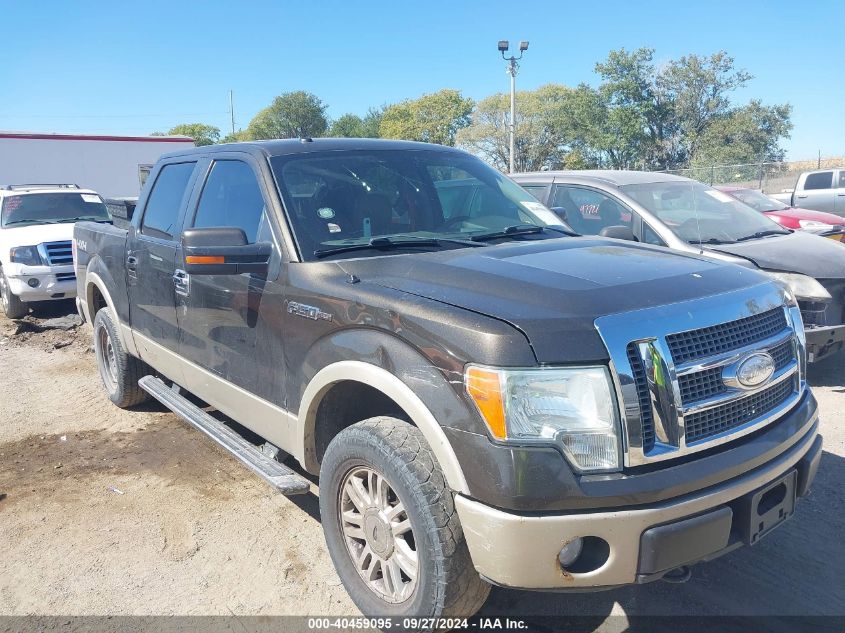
[[36, 231]]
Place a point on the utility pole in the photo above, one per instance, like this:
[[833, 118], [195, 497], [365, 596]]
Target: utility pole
[[512, 68], [232, 109]]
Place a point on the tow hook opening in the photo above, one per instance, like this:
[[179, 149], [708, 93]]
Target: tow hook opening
[[678, 575]]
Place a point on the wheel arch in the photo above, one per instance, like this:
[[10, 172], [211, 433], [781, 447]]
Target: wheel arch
[[387, 384], [97, 294]]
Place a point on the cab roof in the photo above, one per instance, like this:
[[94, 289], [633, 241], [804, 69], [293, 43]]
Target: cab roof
[[284, 147]]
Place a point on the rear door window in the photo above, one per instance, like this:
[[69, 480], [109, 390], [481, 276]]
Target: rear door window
[[821, 180], [232, 197], [589, 211], [165, 200]]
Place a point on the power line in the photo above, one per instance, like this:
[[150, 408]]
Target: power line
[[107, 116]]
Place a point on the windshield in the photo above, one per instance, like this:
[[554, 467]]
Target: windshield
[[757, 200], [339, 199], [51, 208], [697, 213]]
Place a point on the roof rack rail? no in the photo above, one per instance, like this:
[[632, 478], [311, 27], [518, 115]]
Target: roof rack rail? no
[[64, 185]]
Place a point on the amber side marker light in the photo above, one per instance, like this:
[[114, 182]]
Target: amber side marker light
[[205, 259], [485, 388]]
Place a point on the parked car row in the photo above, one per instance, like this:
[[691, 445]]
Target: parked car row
[[690, 217], [826, 224]]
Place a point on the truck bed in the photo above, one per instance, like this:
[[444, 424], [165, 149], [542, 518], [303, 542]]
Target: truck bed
[[101, 250]]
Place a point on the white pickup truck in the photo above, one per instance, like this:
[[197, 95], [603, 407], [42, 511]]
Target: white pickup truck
[[819, 190], [36, 231]]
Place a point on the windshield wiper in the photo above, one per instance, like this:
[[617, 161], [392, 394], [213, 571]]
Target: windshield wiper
[[378, 243], [712, 240], [509, 231], [760, 234], [82, 218]]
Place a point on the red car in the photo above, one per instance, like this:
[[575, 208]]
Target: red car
[[827, 224]]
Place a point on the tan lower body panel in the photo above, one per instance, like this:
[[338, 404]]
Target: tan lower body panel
[[522, 551]]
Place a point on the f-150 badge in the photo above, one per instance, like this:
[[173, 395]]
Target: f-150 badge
[[309, 312]]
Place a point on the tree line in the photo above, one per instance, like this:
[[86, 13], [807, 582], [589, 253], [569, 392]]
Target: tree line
[[640, 116]]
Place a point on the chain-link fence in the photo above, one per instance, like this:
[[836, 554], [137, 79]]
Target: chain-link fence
[[768, 177]]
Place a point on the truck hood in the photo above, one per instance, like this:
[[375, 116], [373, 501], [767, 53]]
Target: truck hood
[[35, 234], [798, 252], [553, 290]]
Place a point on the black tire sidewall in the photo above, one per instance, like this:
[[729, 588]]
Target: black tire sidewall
[[339, 460], [16, 308], [103, 320]]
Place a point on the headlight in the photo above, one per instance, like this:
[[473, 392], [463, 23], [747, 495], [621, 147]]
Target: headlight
[[25, 255], [802, 286], [573, 409], [813, 225]]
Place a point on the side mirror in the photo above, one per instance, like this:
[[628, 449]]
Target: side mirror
[[223, 251], [618, 233]]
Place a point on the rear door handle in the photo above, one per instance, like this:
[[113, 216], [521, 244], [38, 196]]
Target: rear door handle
[[132, 266], [802, 196], [182, 282]]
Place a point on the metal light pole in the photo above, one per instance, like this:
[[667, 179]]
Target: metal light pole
[[512, 69]]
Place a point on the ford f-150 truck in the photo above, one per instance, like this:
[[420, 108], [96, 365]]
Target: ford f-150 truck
[[485, 397]]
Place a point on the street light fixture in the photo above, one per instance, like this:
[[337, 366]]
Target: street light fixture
[[512, 69]]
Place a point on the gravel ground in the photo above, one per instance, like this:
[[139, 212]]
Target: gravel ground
[[111, 512]]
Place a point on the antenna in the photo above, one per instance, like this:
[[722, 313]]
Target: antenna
[[232, 108]]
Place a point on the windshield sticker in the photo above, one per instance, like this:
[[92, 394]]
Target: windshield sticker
[[721, 197], [326, 213], [541, 212], [90, 197], [12, 203], [333, 228]]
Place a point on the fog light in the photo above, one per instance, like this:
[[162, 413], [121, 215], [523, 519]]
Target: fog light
[[33, 282], [570, 552]]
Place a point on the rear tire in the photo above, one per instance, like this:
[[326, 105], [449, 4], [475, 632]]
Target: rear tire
[[119, 370], [391, 525], [13, 307]]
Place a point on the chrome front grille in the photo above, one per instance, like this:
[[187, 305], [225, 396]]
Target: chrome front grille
[[724, 417], [57, 253], [678, 388], [724, 337]]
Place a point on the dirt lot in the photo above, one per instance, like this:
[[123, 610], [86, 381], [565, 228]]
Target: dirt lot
[[109, 512]]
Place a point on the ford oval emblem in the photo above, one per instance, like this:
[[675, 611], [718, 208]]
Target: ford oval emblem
[[752, 371]]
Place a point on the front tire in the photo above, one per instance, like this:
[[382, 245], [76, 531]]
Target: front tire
[[13, 307], [391, 525], [119, 370]]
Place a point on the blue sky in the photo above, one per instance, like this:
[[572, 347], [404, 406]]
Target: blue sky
[[133, 68]]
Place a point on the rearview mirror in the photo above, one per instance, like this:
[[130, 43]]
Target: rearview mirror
[[223, 251]]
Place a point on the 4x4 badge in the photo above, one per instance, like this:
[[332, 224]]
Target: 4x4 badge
[[309, 312]]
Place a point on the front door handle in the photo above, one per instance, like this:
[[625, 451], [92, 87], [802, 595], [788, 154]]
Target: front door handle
[[182, 282]]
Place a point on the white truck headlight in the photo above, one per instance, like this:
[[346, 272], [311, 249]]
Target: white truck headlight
[[571, 408], [27, 255], [802, 286]]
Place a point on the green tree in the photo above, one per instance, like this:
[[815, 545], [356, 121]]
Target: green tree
[[201, 133], [545, 129], [659, 118], [432, 118], [236, 137], [347, 126], [297, 114], [744, 135]]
